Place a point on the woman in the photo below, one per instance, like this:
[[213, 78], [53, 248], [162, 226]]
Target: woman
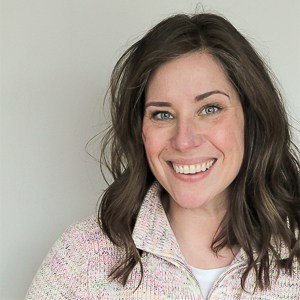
[[204, 202]]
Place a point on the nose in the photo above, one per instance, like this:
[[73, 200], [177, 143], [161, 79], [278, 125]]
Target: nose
[[187, 135]]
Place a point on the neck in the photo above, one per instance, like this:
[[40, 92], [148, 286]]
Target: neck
[[209, 214], [198, 225], [195, 230]]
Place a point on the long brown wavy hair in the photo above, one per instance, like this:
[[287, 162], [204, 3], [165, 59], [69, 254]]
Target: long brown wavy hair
[[264, 207]]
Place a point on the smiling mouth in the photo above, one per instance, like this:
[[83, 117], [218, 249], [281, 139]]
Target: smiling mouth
[[193, 169]]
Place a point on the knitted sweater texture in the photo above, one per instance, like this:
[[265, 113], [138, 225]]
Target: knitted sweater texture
[[78, 265]]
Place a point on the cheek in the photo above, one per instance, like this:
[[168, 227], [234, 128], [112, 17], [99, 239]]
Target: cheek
[[229, 137], [155, 138], [151, 143]]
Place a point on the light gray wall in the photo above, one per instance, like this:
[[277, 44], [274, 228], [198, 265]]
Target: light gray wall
[[56, 58]]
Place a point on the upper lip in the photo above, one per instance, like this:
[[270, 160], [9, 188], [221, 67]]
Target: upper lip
[[191, 161]]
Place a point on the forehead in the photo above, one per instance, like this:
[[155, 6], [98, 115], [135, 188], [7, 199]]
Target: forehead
[[196, 72]]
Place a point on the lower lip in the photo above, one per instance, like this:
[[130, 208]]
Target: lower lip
[[192, 177]]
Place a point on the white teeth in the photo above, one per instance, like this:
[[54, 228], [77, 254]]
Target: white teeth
[[186, 169], [192, 169]]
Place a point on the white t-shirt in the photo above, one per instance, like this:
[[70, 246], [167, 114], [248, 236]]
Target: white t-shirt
[[206, 278]]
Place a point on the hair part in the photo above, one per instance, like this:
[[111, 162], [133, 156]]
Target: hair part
[[264, 206]]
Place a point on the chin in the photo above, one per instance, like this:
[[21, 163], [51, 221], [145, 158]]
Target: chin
[[189, 201]]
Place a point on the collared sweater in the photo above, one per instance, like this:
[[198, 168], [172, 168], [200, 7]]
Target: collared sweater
[[79, 264]]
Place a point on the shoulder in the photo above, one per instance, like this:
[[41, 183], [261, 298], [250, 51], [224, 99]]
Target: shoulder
[[85, 236], [82, 245], [82, 254], [84, 230], [78, 244], [86, 242]]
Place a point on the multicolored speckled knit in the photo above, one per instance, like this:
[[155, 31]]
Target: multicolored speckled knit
[[78, 265]]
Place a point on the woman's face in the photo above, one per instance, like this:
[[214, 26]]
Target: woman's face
[[193, 130]]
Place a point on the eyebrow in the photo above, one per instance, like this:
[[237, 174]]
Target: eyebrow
[[158, 103], [207, 94], [197, 98]]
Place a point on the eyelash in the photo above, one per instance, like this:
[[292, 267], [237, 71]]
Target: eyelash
[[216, 109], [155, 115]]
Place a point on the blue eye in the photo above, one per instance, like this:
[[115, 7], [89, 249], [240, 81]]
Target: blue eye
[[162, 115], [211, 109]]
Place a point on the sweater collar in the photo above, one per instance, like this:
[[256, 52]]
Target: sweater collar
[[152, 232]]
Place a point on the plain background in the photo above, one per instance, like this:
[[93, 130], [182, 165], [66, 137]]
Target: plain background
[[56, 59]]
